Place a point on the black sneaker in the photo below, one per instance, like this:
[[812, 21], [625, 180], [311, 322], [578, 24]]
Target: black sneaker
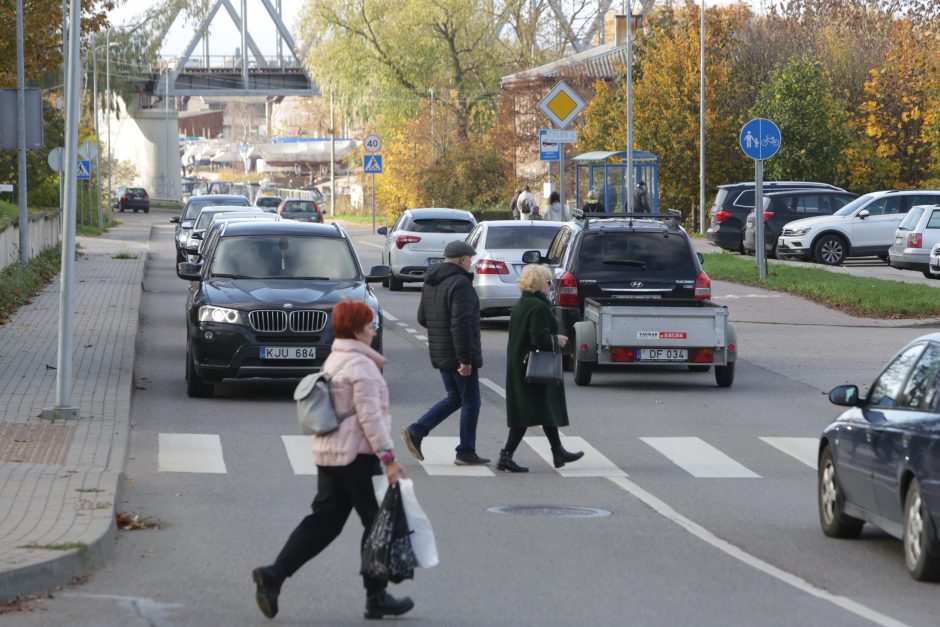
[[268, 588], [471, 460], [413, 443]]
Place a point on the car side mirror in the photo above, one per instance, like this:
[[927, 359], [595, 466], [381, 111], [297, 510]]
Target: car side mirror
[[378, 273], [199, 235], [382, 230], [189, 271], [864, 213], [845, 395], [701, 257], [533, 256], [175, 220]]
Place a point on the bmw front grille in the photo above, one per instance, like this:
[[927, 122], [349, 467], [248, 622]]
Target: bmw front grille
[[277, 321]]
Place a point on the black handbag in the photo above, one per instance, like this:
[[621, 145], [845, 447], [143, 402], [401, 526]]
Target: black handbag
[[543, 367]]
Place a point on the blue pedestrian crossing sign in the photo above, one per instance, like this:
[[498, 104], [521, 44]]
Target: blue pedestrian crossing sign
[[84, 170], [373, 164], [760, 139]]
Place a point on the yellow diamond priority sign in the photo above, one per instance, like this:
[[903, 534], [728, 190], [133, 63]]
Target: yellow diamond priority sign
[[562, 105]]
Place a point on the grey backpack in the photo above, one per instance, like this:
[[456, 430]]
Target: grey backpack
[[315, 410]]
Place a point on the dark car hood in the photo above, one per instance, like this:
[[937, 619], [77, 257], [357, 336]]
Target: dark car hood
[[248, 294]]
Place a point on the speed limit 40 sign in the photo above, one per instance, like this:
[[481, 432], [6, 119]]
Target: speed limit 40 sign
[[372, 143]]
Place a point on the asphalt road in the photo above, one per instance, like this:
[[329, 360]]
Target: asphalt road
[[711, 520]]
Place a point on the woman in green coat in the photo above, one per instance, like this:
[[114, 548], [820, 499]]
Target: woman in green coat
[[532, 326]]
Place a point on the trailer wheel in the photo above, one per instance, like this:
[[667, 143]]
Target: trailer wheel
[[724, 375], [583, 371]]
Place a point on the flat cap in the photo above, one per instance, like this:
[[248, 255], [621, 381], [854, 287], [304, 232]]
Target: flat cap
[[458, 248]]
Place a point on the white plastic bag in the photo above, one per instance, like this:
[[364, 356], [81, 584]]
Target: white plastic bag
[[422, 536]]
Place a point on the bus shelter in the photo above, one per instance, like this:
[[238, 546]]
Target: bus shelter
[[605, 173]]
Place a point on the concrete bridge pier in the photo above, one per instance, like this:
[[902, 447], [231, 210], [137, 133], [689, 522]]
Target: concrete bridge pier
[[149, 139]]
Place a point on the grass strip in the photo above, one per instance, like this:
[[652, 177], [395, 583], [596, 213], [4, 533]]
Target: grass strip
[[858, 296], [20, 282], [380, 218]]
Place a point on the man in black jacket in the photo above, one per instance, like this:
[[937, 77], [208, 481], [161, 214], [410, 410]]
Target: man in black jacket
[[450, 311]]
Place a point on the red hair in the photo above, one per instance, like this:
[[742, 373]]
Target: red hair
[[349, 317]]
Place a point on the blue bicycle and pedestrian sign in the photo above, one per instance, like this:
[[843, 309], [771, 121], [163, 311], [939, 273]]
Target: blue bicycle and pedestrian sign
[[760, 139]]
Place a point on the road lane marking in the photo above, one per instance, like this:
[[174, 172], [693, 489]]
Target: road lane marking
[[699, 458], [421, 337], [300, 453], [190, 452], [803, 449], [389, 316], [496, 388], [402, 324], [439, 457], [411, 330], [593, 464], [739, 554]]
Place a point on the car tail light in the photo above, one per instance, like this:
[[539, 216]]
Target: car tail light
[[403, 240], [568, 291], [702, 355], [915, 240], [491, 266], [703, 287], [621, 354], [126, 197], [768, 215], [722, 215]]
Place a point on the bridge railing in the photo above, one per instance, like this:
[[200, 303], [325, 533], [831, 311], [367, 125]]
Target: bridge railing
[[229, 62]]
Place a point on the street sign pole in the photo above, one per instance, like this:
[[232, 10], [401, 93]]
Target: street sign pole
[[63, 403], [373, 203], [759, 218], [21, 132], [561, 176], [94, 99]]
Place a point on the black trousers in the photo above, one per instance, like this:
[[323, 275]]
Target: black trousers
[[340, 489]]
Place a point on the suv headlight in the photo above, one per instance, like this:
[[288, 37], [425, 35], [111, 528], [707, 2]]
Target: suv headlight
[[208, 313], [182, 236], [800, 232]]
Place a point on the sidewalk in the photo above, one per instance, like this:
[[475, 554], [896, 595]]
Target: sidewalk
[[59, 481]]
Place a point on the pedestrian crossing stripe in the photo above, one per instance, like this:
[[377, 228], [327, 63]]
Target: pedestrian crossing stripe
[[202, 453]]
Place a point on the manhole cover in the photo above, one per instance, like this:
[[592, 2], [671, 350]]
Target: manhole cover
[[558, 511]]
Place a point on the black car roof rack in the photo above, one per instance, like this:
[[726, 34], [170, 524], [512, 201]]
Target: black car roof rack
[[670, 219]]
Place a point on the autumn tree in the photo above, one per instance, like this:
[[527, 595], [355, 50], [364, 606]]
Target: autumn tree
[[799, 99], [896, 126]]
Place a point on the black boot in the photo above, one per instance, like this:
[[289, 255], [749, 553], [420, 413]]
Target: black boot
[[381, 603], [268, 583], [505, 463], [561, 457]]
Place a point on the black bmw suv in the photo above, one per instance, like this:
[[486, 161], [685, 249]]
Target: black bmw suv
[[260, 302], [636, 256]]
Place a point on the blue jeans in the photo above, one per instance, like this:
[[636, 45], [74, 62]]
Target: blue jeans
[[463, 393]]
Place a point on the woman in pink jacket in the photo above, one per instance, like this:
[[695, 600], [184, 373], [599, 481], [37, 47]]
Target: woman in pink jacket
[[347, 458]]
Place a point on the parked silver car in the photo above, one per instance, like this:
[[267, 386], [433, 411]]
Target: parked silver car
[[498, 262], [914, 238], [933, 263], [417, 240]]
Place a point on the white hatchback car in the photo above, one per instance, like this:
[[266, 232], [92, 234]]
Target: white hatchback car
[[915, 238], [417, 240], [864, 227], [498, 262]]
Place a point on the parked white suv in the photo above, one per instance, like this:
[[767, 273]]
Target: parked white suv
[[864, 227]]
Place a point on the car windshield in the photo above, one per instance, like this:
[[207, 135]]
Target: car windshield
[[520, 237], [850, 208], [197, 204], [267, 201], [205, 217], [284, 257], [300, 206], [440, 225], [648, 252]]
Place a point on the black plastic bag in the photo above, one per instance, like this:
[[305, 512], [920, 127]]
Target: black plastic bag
[[387, 552]]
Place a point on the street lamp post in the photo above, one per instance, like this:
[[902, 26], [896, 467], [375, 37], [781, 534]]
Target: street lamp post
[[701, 124], [107, 89], [635, 21]]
